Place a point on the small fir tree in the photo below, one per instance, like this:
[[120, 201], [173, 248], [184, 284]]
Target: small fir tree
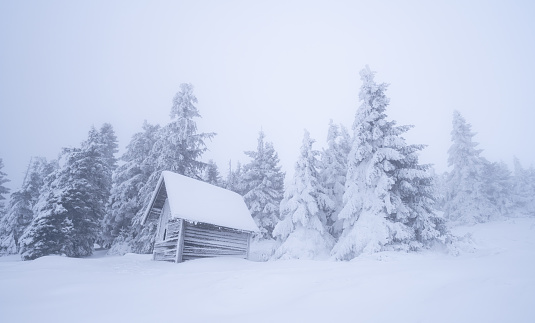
[[466, 199], [333, 170], [302, 229], [211, 174], [498, 187], [523, 190], [234, 181], [263, 186], [3, 190]]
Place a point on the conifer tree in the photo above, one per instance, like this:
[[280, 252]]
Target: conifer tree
[[466, 199], [72, 204], [263, 186], [5, 240], [234, 181], [3, 190], [498, 187], [388, 199], [110, 147], [523, 189], [178, 148], [211, 174], [333, 170], [302, 229], [20, 210], [128, 181]]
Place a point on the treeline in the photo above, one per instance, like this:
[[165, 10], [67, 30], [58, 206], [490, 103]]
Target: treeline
[[364, 192]]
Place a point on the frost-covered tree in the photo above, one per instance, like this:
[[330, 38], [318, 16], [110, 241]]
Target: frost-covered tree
[[178, 148], [128, 181], [302, 230], [20, 209], [72, 204], [333, 170], [389, 197], [110, 147], [5, 241], [263, 188], [234, 180], [498, 186], [3, 190], [523, 191], [466, 199], [211, 174]]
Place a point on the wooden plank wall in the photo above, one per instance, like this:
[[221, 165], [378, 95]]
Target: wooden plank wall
[[167, 250], [203, 240]]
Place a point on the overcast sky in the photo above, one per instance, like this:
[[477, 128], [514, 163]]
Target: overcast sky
[[282, 66]]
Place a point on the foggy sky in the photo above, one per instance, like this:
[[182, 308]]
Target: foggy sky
[[280, 66]]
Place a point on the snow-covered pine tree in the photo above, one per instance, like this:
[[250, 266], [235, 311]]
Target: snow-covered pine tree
[[110, 147], [178, 148], [128, 180], [333, 170], [263, 186], [211, 174], [20, 210], [3, 190], [234, 181], [4, 240], [388, 199], [302, 230], [523, 189], [466, 200], [499, 187], [72, 204]]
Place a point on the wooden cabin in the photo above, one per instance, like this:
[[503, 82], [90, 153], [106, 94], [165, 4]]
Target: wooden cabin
[[198, 220]]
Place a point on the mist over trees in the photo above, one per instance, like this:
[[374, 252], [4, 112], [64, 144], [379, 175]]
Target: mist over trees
[[364, 192]]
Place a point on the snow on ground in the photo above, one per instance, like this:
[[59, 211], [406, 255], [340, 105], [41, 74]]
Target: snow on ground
[[494, 283]]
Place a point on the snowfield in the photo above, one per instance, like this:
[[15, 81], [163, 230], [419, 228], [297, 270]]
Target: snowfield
[[493, 281]]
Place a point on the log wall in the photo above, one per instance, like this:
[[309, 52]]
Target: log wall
[[202, 240]]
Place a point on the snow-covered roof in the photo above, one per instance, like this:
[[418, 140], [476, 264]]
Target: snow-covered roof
[[198, 201]]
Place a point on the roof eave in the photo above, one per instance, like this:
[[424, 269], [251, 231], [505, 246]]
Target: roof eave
[[152, 200]]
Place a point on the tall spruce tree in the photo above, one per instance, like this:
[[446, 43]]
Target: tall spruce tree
[[20, 209], [178, 148], [466, 199], [389, 197], [72, 203], [128, 181], [303, 230], [333, 170], [263, 186]]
